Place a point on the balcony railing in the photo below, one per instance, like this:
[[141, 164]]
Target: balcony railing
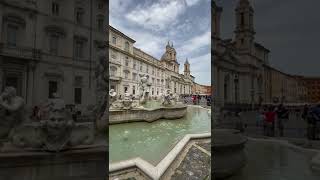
[[19, 51]]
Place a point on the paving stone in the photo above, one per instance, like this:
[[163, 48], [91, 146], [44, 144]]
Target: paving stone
[[206, 146], [196, 165]]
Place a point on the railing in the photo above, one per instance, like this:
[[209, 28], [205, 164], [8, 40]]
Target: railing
[[19, 51]]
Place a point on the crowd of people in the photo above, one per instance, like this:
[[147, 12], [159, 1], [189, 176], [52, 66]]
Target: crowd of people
[[273, 119], [269, 116], [196, 99]]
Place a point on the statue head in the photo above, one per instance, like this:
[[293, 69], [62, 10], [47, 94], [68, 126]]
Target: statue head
[[144, 78], [57, 124], [9, 92], [56, 130]]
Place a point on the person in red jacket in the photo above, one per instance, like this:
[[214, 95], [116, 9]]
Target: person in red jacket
[[270, 117], [194, 99]]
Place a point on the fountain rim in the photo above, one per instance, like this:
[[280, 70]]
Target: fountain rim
[[155, 172], [150, 109]]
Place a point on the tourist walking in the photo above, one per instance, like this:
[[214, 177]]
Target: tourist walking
[[194, 99], [239, 121], [269, 120], [316, 122], [305, 112], [282, 115], [35, 113], [312, 118], [208, 100]]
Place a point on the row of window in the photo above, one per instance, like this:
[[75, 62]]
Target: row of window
[[153, 92], [135, 64], [53, 88], [126, 44], [54, 42], [78, 47], [80, 14]]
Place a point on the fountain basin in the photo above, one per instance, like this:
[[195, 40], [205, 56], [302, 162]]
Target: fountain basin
[[146, 114], [228, 150], [129, 140]]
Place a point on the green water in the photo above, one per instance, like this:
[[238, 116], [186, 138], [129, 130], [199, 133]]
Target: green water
[[272, 161], [152, 141]]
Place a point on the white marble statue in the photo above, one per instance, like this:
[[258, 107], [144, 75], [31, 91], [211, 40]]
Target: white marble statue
[[11, 111], [144, 86]]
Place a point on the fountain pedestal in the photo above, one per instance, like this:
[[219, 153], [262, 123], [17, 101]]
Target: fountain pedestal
[[228, 152], [89, 161]]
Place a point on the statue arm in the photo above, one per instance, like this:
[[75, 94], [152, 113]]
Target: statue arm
[[15, 106]]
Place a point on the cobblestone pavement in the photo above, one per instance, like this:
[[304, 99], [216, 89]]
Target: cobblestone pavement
[[129, 174], [194, 163]]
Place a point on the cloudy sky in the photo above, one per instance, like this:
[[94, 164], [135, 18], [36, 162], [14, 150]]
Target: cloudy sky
[[186, 23], [289, 28]]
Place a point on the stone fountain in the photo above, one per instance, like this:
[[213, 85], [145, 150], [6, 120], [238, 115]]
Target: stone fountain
[[228, 149], [55, 147], [129, 110]]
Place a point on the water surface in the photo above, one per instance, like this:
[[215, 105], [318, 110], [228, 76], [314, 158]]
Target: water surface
[[152, 141]]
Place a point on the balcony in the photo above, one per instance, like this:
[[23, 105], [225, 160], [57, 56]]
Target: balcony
[[20, 52], [115, 77]]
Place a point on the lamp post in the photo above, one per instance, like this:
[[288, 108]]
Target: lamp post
[[252, 99]]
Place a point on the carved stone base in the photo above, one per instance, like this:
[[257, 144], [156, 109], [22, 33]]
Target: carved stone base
[[81, 164], [228, 150], [149, 115]]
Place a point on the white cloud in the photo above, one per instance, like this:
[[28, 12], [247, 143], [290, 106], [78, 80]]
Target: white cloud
[[117, 7], [152, 24], [201, 68], [157, 16], [202, 59], [196, 43], [146, 41], [192, 2]]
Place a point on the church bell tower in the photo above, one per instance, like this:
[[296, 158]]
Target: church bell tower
[[186, 68], [244, 32]]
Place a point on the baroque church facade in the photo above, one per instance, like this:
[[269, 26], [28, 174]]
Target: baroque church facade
[[127, 63], [242, 74], [239, 64]]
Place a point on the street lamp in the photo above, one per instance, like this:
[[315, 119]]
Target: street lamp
[[252, 98]]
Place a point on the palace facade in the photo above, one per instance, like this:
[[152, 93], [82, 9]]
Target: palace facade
[[51, 46], [241, 71], [127, 63]]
